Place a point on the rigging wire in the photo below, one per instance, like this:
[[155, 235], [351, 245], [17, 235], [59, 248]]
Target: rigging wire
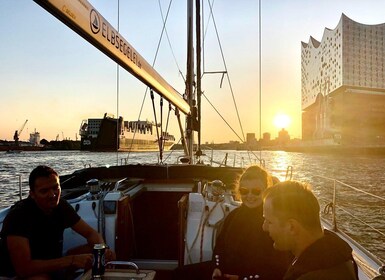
[[164, 31], [198, 37], [117, 97], [156, 123], [226, 72], [166, 129], [172, 151], [153, 64], [220, 115], [140, 113], [161, 130], [211, 16], [260, 72], [168, 38]]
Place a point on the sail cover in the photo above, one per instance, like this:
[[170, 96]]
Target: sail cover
[[84, 19]]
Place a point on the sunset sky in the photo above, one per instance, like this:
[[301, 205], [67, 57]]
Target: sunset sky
[[55, 79]]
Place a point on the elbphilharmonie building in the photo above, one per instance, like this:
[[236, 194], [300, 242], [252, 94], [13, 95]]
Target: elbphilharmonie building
[[343, 84]]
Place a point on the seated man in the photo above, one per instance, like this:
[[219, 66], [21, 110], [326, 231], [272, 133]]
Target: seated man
[[32, 233], [291, 213]]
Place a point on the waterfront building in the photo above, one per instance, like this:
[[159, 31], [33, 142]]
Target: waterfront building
[[266, 137], [250, 139], [34, 138], [343, 84], [283, 137]]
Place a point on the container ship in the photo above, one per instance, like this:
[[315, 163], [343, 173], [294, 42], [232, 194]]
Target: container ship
[[102, 135]]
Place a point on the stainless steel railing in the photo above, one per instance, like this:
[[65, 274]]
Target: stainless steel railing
[[355, 211]]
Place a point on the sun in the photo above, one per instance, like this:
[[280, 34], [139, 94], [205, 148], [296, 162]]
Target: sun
[[282, 121]]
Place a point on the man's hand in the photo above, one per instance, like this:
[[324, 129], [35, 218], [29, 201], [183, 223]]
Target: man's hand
[[231, 276], [217, 274], [81, 261], [109, 255]]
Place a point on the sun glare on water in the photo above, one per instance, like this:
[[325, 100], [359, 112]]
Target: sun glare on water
[[282, 121]]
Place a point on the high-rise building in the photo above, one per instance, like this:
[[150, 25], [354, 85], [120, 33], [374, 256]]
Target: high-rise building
[[250, 138], [343, 84], [266, 136]]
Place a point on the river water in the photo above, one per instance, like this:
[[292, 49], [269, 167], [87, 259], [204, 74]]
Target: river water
[[363, 172]]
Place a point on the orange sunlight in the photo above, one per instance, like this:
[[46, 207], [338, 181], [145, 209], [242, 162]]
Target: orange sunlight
[[282, 121]]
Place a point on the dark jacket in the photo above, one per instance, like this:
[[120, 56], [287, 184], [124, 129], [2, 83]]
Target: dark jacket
[[244, 249], [328, 258]]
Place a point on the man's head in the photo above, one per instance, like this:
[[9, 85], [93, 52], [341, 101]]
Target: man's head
[[251, 185], [44, 187], [290, 210]]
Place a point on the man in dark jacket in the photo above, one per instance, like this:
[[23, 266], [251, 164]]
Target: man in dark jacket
[[291, 213]]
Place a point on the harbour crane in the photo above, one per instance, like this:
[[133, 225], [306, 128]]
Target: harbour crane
[[18, 133]]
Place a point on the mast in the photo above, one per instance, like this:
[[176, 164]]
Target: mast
[[199, 90], [193, 119], [190, 78]]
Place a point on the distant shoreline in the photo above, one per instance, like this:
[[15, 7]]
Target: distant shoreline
[[52, 145], [325, 149], [299, 148]]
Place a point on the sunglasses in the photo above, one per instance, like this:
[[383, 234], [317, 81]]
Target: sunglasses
[[246, 191]]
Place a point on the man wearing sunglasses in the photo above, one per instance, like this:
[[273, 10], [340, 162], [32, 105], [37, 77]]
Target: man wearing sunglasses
[[243, 250]]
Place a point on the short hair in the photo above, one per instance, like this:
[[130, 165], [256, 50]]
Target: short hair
[[40, 171], [255, 172], [293, 199]]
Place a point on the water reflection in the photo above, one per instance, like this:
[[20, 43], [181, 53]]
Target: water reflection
[[363, 172]]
